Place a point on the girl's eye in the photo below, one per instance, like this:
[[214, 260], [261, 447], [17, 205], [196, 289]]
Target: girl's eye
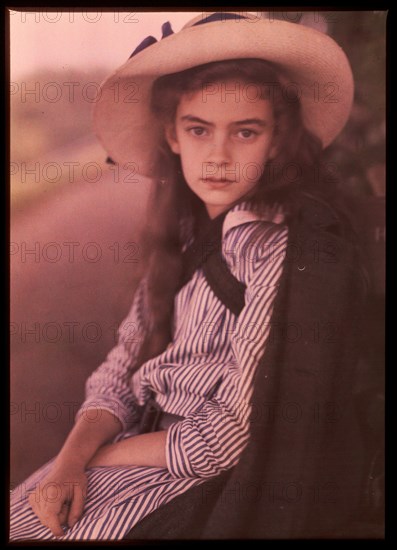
[[197, 131], [246, 134]]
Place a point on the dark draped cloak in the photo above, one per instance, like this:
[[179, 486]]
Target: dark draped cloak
[[301, 472]]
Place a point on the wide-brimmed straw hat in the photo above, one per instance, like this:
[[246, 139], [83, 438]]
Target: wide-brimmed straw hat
[[309, 62]]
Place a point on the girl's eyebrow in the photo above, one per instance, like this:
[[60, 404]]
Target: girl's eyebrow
[[191, 118], [198, 120], [258, 121]]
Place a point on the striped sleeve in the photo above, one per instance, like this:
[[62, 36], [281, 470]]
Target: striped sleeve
[[211, 440], [108, 387]]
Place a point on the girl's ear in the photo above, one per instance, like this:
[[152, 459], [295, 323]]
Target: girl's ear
[[170, 136]]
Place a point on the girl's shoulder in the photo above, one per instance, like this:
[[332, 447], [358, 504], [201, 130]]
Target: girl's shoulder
[[248, 223]]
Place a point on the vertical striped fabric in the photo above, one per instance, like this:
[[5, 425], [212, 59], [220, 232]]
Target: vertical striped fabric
[[209, 342]]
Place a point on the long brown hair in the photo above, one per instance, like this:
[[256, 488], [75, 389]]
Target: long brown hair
[[172, 201]]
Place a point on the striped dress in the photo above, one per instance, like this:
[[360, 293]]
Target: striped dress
[[208, 342]]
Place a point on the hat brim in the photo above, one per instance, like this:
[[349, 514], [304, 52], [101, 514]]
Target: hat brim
[[313, 66]]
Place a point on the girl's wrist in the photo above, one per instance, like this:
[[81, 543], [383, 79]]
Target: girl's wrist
[[73, 460], [84, 441]]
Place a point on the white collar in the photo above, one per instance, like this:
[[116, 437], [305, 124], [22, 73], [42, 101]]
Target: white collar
[[246, 211], [243, 212]]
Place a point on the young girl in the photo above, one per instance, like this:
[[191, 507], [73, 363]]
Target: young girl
[[222, 116]]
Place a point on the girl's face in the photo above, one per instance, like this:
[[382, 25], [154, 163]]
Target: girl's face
[[224, 137]]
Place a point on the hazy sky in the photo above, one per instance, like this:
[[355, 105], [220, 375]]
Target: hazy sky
[[69, 38]]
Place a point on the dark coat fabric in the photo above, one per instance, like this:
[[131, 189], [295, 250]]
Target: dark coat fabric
[[301, 473]]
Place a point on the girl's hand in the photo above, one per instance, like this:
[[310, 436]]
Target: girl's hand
[[59, 499]]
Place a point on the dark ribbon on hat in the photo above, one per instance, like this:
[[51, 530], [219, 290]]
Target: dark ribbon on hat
[[166, 30]]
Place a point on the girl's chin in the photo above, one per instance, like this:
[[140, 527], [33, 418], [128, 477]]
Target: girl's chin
[[215, 208]]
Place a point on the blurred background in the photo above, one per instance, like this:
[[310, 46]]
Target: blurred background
[[76, 223], [58, 59]]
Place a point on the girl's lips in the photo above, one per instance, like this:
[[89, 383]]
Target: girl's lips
[[217, 183]]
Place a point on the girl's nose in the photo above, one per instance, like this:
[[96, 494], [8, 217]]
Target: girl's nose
[[219, 152]]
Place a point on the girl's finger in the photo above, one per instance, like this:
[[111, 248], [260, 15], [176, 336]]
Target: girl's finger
[[63, 515], [51, 521], [48, 518], [77, 506]]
